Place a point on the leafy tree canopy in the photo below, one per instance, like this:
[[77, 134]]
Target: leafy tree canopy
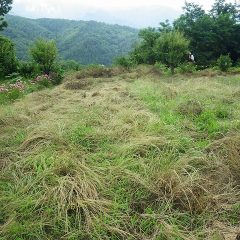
[[171, 47], [5, 7], [8, 61], [44, 53]]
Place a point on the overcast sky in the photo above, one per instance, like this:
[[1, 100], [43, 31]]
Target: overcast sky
[[136, 13]]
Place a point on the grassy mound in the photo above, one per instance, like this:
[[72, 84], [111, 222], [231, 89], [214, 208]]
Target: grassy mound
[[134, 156]]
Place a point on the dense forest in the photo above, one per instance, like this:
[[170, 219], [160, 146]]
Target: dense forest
[[85, 42]]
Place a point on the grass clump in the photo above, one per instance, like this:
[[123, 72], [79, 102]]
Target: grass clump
[[191, 107], [94, 71], [227, 149]]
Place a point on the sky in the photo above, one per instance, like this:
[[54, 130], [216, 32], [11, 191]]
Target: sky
[[134, 13]]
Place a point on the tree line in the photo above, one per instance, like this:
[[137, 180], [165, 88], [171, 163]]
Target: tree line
[[212, 37]]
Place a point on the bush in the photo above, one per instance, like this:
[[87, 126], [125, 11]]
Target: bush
[[224, 62], [14, 94], [12, 91], [186, 68], [28, 69], [124, 62], [170, 48], [44, 53], [57, 74], [43, 80], [71, 65], [162, 68], [8, 62]]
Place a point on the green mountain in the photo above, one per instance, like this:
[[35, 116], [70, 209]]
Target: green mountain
[[84, 41]]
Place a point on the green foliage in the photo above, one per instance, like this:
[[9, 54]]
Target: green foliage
[[57, 74], [70, 65], [5, 7], [171, 47], [12, 91], [44, 52], [161, 68], [28, 69], [223, 112], [8, 63], [237, 63], [221, 7], [125, 165], [207, 121], [85, 42], [187, 68], [224, 62], [124, 62], [144, 51], [14, 94], [211, 34]]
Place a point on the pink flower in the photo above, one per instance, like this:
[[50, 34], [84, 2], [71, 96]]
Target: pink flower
[[3, 89], [18, 85], [40, 78]]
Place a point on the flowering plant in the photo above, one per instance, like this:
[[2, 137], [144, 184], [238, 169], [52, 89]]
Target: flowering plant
[[44, 77], [12, 91], [19, 85], [3, 89], [44, 80]]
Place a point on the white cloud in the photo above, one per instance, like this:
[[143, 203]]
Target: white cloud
[[112, 11]]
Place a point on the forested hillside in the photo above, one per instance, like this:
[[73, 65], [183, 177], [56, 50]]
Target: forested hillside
[[86, 42]]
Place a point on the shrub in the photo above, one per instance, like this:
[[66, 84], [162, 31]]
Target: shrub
[[224, 62], [124, 62], [57, 74], [70, 65], [3, 94], [8, 60], [161, 67], [186, 68], [43, 80], [17, 85], [28, 69], [238, 63], [12, 91], [170, 48], [44, 53], [14, 94]]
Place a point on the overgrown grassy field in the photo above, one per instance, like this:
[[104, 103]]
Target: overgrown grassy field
[[134, 156]]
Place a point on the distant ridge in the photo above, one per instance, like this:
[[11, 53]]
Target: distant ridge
[[84, 41]]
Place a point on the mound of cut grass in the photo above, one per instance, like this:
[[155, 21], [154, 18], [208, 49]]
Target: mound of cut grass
[[134, 156]]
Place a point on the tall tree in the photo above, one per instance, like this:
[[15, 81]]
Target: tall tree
[[144, 52], [211, 34], [221, 7], [5, 7]]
